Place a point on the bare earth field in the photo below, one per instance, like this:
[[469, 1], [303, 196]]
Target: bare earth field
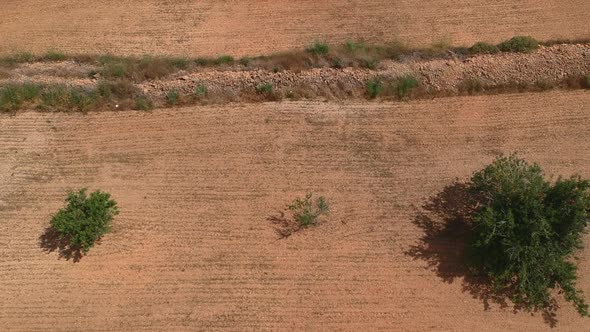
[[192, 249], [211, 27]]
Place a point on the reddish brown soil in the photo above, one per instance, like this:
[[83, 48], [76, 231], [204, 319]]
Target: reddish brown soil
[[243, 27], [192, 249]]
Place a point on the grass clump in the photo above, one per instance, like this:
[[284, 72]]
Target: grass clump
[[318, 48], [201, 91], [471, 86], [224, 59], [405, 85], [483, 48], [20, 57], [172, 97], [586, 82], [307, 212], [245, 61], [266, 88], [84, 219], [353, 46], [374, 88], [519, 44], [54, 56], [370, 63], [143, 103]]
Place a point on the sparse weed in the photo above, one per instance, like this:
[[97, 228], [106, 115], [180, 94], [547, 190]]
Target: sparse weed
[[307, 212]]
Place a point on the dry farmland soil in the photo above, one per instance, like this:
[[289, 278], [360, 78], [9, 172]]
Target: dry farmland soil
[[213, 27], [192, 248]]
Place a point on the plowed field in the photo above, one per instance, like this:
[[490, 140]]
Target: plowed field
[[212, 27], [192, 248]]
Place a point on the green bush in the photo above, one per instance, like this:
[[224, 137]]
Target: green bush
[[405, 85], [143, 103], [374, 88], [201, 91], [318, 48], [586, 82], [224, 59], [10, 98], [521, 44], [266, 88], [172, 97], [307, 212], [54, 56], [85, 219], [526, 231], [483, 48]]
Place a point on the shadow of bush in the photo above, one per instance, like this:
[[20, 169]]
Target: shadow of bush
[[50, 241]]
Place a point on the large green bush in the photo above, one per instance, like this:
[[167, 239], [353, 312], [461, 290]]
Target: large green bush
[[85, 218], [526, 231]]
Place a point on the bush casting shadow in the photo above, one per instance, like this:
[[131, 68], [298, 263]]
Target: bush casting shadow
[[51, 241], [446, 220]]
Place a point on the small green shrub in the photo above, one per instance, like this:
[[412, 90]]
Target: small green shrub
[[201, 91], [374, 88], [318, 48], [114, 70], [54, 56], [337, 63], [266, 88], [308, 212], [483, 48], [143, 103], [30, 91], [85, 219], [202, 61], [119, 89], [54, 96], [526, 231], [586, 82], [520, 44], [10, 98], [180, 63], [405, 85], [224, 59], [81, 99], [172, 97]]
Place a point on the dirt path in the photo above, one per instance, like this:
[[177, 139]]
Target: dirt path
[[192, 250], [212, 27]]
